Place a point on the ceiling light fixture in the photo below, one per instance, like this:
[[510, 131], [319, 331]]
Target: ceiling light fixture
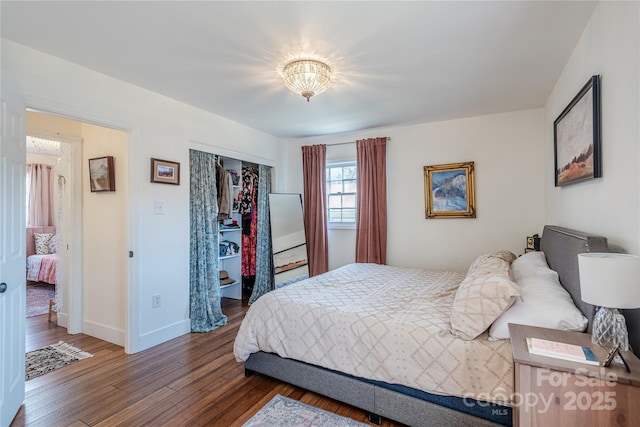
[[307, 77]]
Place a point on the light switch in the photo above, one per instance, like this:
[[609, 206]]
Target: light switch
[[158, 207]]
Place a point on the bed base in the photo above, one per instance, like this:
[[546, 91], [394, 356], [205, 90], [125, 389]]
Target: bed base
[[377, 401]]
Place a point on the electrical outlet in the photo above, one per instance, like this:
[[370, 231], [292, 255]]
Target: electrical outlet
[[156, 301]]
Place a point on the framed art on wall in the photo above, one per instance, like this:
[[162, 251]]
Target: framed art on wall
[[102, 174], [165, 172], [576, 137], [449, 191]]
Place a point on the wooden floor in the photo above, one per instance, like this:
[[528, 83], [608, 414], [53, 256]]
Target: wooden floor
[[192, 380]]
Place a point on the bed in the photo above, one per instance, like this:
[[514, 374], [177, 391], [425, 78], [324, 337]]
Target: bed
[[41, 254], [463, 380]]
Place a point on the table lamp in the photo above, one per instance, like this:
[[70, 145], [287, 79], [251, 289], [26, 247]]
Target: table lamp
[[610, 281]]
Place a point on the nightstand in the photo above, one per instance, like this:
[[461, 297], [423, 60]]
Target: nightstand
[[556, 392]]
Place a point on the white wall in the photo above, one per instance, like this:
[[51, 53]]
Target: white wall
[[610, 206], [609, 46], [104, 238], [508, 151], [158, 127]]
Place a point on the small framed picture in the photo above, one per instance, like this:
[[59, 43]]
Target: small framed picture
[[165, 172], [102, 174], [449, 191]]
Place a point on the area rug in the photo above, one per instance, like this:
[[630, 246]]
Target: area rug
[[52, 357], [38, 297], [285, 412]]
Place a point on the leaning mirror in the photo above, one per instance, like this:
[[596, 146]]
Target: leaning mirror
[[288, 238]]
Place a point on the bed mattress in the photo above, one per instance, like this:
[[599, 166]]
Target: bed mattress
[[381, 323]]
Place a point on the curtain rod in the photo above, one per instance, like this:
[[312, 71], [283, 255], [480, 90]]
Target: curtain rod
[[349, 142]]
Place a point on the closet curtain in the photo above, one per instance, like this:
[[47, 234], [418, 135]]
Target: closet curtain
[[264, 251], [40, 195], [371, 223], [205, 311], [314, 169]]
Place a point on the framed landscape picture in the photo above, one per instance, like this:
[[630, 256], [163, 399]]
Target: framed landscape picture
[[576, 135], [449, 191], [165, 172], [102, 174]]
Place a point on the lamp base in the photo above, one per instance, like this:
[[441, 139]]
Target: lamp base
[[610, 329]]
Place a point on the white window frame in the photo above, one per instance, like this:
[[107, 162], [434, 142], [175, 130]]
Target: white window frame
[[340, 225]]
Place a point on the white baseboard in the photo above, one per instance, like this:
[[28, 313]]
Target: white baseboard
[[106, 333], [62, 319], [146, 340], [164, 334]]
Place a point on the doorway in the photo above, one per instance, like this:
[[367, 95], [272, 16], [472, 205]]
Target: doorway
[[93, 227], [47, 166]]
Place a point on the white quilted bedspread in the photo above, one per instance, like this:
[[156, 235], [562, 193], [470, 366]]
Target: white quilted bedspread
[[383, 323]]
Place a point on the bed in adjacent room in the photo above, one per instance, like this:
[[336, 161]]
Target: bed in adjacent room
[[41, 254], [417, 346]]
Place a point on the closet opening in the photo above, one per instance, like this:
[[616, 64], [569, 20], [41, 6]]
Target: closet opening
[[237, 197], [230, 237]]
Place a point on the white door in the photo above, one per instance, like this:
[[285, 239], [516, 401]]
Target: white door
[[12, 255]]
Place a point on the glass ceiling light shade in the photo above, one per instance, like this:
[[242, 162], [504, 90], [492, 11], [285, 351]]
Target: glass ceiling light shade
[[307, 77]]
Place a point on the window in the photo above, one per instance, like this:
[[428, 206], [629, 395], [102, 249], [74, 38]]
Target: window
[[341, 193]]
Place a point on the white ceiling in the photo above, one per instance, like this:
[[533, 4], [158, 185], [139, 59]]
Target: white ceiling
[[395, 63]]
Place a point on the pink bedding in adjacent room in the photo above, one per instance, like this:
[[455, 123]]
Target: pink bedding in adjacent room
[[41, 268]]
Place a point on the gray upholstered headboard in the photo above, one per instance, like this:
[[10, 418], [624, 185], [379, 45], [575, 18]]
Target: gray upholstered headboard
[[561, 246]]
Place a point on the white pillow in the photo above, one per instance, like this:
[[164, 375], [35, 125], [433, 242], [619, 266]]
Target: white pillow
[[528, 264], [543, 301]]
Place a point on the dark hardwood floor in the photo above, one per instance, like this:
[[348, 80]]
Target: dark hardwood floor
[[192, 380]]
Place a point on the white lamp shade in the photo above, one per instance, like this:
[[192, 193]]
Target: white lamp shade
[[610, 279]]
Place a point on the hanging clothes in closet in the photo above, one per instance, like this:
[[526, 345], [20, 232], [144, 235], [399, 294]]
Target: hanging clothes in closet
[[224, 187], [248, 208]]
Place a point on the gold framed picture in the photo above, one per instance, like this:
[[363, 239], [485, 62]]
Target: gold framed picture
[[165, 172], [449, 191]]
